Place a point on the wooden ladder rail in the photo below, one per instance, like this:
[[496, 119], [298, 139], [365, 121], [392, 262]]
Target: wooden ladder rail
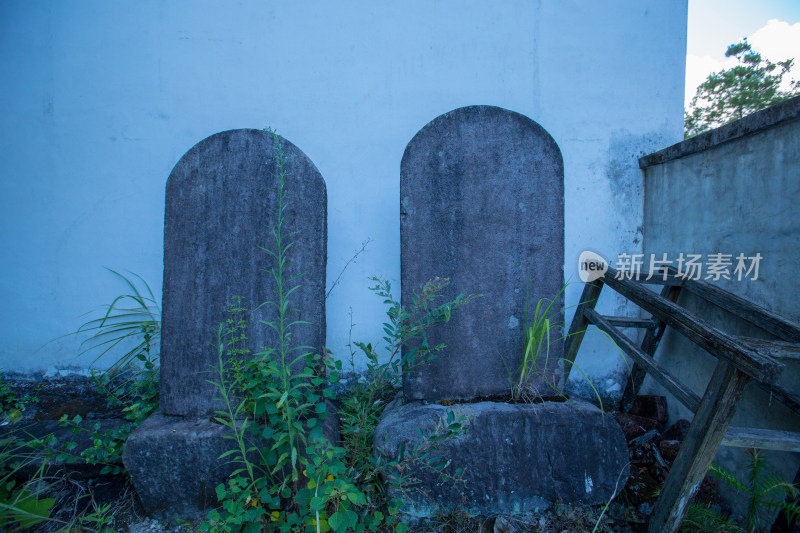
[[739, 360], [754, 314], [652, 339]]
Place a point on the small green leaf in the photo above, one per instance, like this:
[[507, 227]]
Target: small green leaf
[[283, 399], [317, 503], [29, 510], [252, 528], [342, 519]]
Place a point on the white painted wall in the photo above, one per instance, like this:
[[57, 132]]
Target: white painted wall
[[100, 99]]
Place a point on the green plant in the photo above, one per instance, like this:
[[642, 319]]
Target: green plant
[[362, 407], [96, 518], [130, 330], [728, 95], [765, 490], [135, 395], [106, 444], [21, 504], [541, 330], [11, 407], [406, 347], [536, 348], [24, 501], [703, 518], [131, 323], [289, 476]]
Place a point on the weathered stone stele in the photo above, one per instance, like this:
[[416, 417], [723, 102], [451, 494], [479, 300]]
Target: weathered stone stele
[[221, 203], [482, 203]]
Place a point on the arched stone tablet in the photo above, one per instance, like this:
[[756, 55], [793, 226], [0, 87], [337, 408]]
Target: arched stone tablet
[[221, 203], [482, 203]]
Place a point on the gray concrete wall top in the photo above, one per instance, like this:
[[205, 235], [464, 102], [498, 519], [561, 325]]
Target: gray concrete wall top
[[749, 125]]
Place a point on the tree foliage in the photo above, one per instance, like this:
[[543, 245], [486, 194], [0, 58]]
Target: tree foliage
[[730, 94]]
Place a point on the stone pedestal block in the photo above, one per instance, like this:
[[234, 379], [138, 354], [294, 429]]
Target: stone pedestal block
[[174, 462], [516, 458]]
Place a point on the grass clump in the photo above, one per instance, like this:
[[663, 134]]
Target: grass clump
[[543, 328]]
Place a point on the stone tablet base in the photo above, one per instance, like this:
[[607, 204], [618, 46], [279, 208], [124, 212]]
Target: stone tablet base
[[174, 464], [517, 458], [175, 467]]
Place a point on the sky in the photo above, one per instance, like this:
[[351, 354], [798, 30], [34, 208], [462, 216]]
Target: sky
[[771, 26]]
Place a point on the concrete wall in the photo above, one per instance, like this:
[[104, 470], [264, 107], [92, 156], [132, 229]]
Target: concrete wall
[[733, 190], [101, 99]]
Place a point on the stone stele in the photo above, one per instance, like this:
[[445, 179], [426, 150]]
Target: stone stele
[[221, 206], [482, 203]]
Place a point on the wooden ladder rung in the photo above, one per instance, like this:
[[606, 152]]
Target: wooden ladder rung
[[776, 349], [755, 314], [756, 365], [629, 322], [658, 373], [767, 439]]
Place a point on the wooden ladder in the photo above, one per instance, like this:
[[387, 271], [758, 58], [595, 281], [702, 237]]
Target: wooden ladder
[[739, 360]]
